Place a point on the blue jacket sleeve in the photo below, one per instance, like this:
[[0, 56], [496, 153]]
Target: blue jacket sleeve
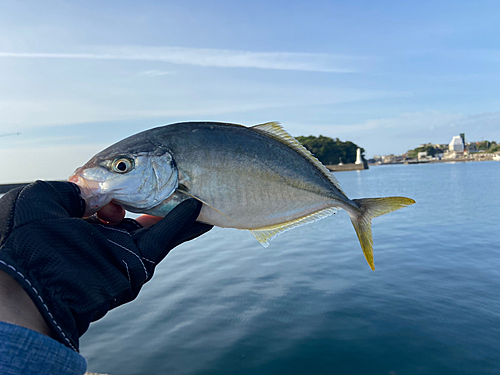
[[26, 352]]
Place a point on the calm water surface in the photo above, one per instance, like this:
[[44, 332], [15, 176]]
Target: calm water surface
[[309, 304]]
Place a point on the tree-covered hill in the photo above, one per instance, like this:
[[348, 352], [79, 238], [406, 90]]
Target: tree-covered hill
[[330, 151], [431, 150], [488, 146]]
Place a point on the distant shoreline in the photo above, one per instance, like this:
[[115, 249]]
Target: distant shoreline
[[411, 162]]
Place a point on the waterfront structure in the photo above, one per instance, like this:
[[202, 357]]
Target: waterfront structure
[[471, 147], [456, 144], [422, 155], [456, 150], [359, 160], [389, 159]]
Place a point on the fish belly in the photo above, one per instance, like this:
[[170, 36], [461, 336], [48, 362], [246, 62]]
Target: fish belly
[[258, 209]]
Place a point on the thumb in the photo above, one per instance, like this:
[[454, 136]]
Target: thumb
[[42, 200]]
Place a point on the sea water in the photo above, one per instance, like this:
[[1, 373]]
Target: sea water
[[309, 303]]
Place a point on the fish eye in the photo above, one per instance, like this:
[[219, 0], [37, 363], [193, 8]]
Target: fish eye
[[122, 165]]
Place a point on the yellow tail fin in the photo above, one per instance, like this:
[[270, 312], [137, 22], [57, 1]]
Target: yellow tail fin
[[362, 220]]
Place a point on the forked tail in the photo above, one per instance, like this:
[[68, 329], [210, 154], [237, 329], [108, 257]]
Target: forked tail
[[362, 220]]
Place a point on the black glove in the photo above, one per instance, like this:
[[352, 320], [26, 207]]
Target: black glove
[[76, 271]]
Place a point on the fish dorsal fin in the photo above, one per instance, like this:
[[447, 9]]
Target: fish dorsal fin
[[266, 234], [276, 131]]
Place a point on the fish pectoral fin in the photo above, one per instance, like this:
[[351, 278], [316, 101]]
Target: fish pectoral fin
[[266, 234], [208, 205]]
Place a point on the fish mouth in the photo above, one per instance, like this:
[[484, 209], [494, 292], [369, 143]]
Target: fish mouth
[[90, 191]]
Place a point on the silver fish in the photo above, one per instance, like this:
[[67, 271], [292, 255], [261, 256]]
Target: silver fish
[[256, 178]]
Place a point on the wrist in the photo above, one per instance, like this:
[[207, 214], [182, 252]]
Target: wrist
[[16, 307]]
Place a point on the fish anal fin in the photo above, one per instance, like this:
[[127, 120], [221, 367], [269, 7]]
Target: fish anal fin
[[266, 234], [276, 131]]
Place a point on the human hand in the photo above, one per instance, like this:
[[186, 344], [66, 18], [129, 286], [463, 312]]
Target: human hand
[[113, 214], [74, 270]]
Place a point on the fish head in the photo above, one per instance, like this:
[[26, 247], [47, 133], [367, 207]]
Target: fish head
[[134, 173]]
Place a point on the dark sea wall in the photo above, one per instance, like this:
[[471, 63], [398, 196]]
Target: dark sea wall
[[347, 167]]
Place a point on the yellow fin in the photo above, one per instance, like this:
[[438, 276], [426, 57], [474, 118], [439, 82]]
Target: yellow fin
[[362, 220], [266, 234], [276, 131]]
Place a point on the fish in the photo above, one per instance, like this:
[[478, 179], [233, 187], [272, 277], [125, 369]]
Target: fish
[[256, 178]]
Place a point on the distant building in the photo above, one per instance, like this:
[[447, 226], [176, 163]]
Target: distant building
[[456, 144], [388, 159], [422, 155], [472, 147], [423, 145], [439, 155], [462, 135]]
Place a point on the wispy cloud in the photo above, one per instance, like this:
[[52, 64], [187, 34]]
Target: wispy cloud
[[156, 73], [317, 62], [224, 99]]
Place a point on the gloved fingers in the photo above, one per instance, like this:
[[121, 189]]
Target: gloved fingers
[[119, 248], [42, 200], [7, 205], [155, 242], [93, 220], [196, 230], [130, 225]]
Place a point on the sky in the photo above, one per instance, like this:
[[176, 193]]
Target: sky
[[76, 77]]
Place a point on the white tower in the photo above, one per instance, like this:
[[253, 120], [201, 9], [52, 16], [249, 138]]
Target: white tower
[[358, 156]]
